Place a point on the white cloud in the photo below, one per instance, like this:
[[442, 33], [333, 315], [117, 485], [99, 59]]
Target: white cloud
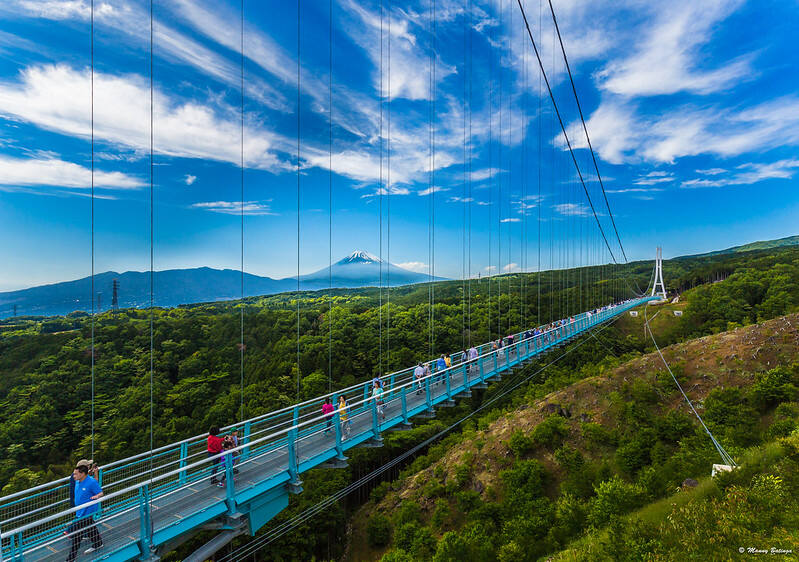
[[417, 266], [409, 59], [250, 208], [131, 21], [490, 268], [65, 9], [653, 178], [510, 267], [188, 179], [513, 219], [711, 171], [485, 173], [667, 59], [182, 128], [572, 209], [434, 189], [52, 171], [749, 174], [634, 190], [623, 134], [456, 199]]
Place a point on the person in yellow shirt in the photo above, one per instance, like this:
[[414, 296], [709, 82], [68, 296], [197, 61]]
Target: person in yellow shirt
[[344, 417]]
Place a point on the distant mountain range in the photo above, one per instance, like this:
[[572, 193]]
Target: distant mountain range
[[752, 246], [174, 287]]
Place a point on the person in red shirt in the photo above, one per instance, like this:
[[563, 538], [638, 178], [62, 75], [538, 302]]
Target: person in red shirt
[[327, 411], [215, 444]]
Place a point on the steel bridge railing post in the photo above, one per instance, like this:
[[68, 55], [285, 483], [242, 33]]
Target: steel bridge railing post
[[184, 452], [427, 392], [230, 485], [496, 361], [466, 368], [245, 439], [293, 465], [145, 525], [448, 381]]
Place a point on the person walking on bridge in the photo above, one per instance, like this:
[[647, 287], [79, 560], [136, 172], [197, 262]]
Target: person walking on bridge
[[214, 447], [473, 353], [377, 394], [418, 374], [441, 365], [327, 411], [86, 490], [344, 417]]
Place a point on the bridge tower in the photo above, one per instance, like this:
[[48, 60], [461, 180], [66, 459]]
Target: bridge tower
[[659, 288]]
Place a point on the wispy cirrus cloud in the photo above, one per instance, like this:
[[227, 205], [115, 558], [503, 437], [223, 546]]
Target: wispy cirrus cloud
[[748, 174], [249, 208], [666, 60], [572, 209]]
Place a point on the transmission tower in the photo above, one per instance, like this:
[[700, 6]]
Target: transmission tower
[[115, 295]]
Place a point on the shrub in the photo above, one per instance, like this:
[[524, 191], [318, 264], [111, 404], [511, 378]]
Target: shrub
[[674, 426], [441, 514], [520, 444], [378, 530], [468, 500], [613, 497], [635, 453], [641, 391], [463, 473], [551, 432], [379, 492], [596, 434], [397, 555], [434, 489], [781, 428], [408, 512], [404, 535], [773, 387]]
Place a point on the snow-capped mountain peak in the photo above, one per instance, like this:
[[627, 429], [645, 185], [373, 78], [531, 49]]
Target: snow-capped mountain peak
[[360, 256]]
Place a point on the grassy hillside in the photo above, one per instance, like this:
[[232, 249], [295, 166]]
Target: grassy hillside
[[521, 484]]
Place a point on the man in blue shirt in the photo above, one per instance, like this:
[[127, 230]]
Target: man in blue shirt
[[86, 490]]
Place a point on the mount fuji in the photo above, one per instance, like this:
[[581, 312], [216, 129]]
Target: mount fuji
[[362, 269], [174, 287]]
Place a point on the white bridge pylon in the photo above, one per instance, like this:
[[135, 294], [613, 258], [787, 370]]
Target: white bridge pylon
[[659, 276]]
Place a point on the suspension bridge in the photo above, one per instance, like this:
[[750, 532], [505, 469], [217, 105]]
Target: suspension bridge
[[154, 501], [158, 499]]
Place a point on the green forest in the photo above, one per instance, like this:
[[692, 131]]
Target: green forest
[[46, 385]]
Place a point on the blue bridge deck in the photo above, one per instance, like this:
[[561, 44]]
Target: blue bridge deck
[[153, 502]]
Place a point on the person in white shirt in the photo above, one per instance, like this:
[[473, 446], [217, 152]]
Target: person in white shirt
[[418, 373]]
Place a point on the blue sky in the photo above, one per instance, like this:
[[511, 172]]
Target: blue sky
[[691, 107]]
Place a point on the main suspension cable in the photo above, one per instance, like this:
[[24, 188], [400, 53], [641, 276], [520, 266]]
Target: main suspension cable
[[563, 129]]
